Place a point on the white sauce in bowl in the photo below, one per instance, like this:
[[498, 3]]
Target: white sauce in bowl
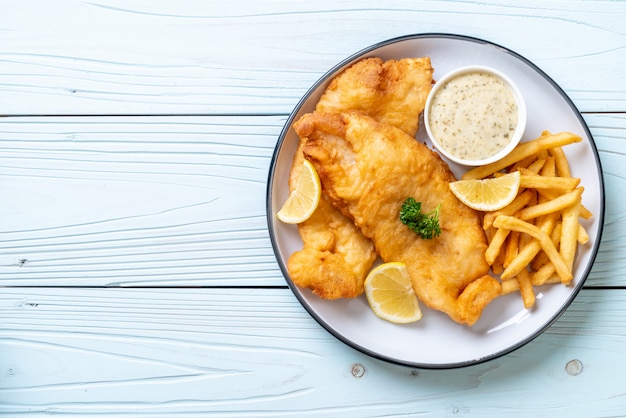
[[473, 115]]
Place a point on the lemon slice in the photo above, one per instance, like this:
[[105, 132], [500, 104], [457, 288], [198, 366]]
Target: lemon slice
[[390, 294], [303, 200], [487, 194]]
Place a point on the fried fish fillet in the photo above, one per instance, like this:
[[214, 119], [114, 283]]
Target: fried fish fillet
[[368, 169], [336, 257], [393, 91]]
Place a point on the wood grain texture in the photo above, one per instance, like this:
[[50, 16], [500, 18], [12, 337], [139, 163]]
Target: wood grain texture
[[149, 201], [609, 134], [137, 276], [257, 353], [136, 201], [194, 57]]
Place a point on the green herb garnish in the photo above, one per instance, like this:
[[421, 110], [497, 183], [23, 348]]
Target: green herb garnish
[[426, 225]]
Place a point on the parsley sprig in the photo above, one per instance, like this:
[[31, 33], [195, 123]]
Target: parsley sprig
[[426, 225]]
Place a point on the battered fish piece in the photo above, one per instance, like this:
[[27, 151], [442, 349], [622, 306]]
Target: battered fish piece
[[336, 257], [368, 169], [393, 91]]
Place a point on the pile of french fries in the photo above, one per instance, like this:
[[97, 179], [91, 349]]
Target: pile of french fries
[[533, 241]]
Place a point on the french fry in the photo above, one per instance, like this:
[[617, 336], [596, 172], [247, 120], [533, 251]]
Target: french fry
[[509, 286], [497, 266], [528, 180], [531, 163], [551, 280], [544, 275], [526, 289], [555, 205], [583, 237], [562, 170], [495, 245], [548, 169], [536, 166], [524, 240], [543, 154], [489, 233], [531, 250], [542, 258], [517, 204], [585, 213], [561, 163], [514, 224], [533, 241], [569, 234], [553, 194], [522, 260], [512, 248], [522, 151], [524, 285]]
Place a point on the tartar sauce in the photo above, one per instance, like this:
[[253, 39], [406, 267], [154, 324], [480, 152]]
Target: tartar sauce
[[474, 115]]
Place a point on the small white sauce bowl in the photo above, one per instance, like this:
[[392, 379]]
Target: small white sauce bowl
[[514, 138]]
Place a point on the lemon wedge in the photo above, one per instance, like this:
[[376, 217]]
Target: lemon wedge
[[304, 198], [390, 294], [487, 194]]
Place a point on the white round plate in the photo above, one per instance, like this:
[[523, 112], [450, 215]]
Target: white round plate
[[436, 341]]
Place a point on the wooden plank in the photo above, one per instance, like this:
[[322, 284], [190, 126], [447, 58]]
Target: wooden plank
[[244, 353], [608, 133], [136, 201], [192, 57], [175, 201]]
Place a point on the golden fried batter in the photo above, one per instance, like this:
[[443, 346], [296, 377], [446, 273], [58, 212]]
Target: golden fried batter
[[393, 91], [336, 257], [368, 169]]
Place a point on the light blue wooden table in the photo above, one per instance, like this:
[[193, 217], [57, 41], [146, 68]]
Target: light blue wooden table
[[136, 271]]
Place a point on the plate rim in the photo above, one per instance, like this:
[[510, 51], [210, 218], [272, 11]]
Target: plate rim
[[349, 60]]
